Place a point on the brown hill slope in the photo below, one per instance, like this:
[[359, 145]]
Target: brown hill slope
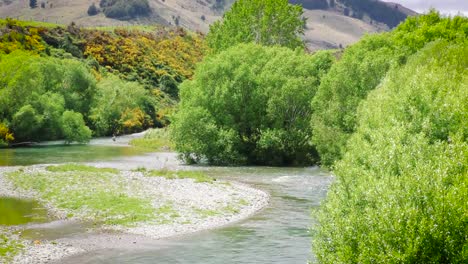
[[327, 26]]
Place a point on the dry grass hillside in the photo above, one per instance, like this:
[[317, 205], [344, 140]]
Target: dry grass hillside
[[325, 28]]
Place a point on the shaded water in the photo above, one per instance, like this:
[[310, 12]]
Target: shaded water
[[19, 212]]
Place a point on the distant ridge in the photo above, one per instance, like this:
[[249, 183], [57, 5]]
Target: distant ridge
[[331, 23]]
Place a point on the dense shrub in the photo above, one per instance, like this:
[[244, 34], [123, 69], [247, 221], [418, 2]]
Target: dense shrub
[[250, 104], [34, 92], [15, 37], [361, 70], [93, 10], [157, 60], [74, 128], [125, 9], [401, 194], [5, 135], [122, 107]]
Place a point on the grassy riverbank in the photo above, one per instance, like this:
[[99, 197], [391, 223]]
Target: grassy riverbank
[[151, 203], [154, 140], [67, 188], [9, 246]]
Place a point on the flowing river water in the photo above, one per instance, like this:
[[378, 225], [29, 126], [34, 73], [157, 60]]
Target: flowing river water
[[277, 234]]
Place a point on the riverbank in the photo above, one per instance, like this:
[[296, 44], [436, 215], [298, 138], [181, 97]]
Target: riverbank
[[168, 203]]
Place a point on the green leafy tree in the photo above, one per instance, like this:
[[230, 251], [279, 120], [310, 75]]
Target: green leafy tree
[[26, 123], [113, 99], [266, 22], [74, 128], [401, 194], [250, 104], [361, 70]]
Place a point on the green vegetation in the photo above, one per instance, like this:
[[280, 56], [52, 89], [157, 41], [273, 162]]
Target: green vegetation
[[197, 176], [402, 189], [80, 168], [389, 116], [71, 83], [401, 194], [155, 140], [9, 247], [265, 22], [250, 104], [125, 9], [361, 69], [93, 194]]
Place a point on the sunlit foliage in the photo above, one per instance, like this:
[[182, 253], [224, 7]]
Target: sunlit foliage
[[13, 36], [264, 22], [250, 104], [401, 194], [5, 135], [149, 58], [362, 68]]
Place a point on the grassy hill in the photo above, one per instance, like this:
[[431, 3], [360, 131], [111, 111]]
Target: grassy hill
[[331, 23]]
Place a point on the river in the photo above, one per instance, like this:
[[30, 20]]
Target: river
[[277, 234]]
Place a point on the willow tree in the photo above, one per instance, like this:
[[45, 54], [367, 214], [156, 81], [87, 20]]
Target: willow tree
[[250, 105], [265, 22]]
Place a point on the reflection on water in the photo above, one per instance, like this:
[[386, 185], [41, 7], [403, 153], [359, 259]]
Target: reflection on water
[[19, 212], [62, 154]]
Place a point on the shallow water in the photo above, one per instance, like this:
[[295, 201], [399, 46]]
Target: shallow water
[[15, 212], [278, 234], [55, 152]]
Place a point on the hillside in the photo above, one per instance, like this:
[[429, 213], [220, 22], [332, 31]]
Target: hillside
[[331, 23]]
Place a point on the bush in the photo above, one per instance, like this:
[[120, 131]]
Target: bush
[[118, 107], [5, 135], [401, 194], [37, 90], [250, 104], [74, 128], [361, 70], [93, 10], [125, 9]]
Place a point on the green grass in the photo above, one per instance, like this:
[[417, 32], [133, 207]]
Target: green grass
[[33, 24], [80, 168], [154, 139], [243, 202], [205, 213], [197, 176], [231, 209], [9, 247], [87, 194]]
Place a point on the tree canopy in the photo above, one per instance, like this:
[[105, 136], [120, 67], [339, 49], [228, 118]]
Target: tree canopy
[[401, 194], [265, 22], [362, 68], [250, 105]]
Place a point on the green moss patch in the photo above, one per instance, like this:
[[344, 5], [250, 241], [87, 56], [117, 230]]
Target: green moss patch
[[86, 193], [155, 140], [197, 176], [80, 168], [9, 248]]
